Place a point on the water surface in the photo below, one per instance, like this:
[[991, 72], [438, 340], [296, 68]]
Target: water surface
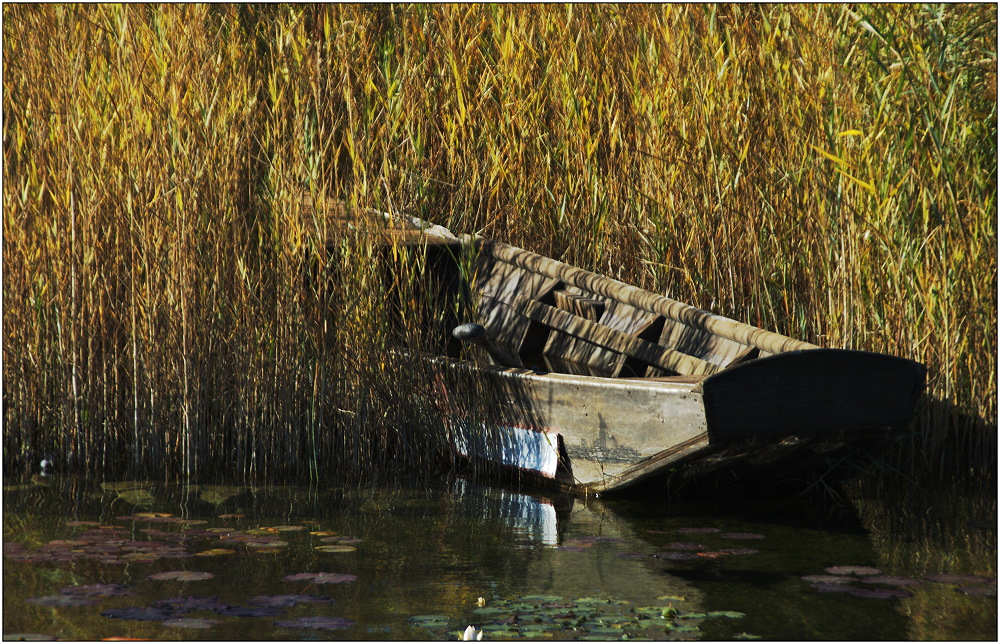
[[141, 559]]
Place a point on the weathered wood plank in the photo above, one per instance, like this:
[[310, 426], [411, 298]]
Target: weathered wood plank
[[586, 307], [672, 309], [616, 340]]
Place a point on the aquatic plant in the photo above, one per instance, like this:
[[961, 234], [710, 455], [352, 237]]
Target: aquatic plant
[[178, 299]]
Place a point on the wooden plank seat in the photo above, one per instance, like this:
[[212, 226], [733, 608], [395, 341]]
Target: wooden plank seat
[[606, 337]]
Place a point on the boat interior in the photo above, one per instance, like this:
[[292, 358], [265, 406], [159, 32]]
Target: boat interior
[[552, 324]]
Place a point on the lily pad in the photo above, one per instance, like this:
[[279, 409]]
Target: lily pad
[[827, 579], [214, 552], [190, 622], [322, 577], [186, 604], [337, 548], [181, 575], [251, 611], [675, 556], [334, 578], [140, 613], [98, 590], [853, 570], [742, 535], [684, 545], [288, 600], [731, 614], [829, 587], [431, 621], [880, 593], [960, 579], [891, 580], [267, 544], [61, 601], [316, 623]]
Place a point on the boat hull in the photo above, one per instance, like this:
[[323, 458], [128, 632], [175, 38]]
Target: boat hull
[[598, 434]]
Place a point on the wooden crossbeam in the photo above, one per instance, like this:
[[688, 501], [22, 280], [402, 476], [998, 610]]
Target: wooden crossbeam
[[609, 338]]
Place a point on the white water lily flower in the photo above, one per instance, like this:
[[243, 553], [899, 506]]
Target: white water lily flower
[[471, 635]]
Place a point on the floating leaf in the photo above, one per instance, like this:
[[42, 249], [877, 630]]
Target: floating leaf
[[960, 579], [98, 590], [828, 587], [233, 515], [742, 535], [323, 533], [138, 613], [674, 556], [214, 552], [288, 528], [827, 579], [746, 636], [431, 621], [181, 575], [891, 580], [61, 601], [853, 570], [190, 622], [186, 604], [153, 515], [880, 593], [322, 577], [266, 544], [262, 531], [731, 614], [316, 623], [684, 545], [286, 601], [251, 611], [334, 579], [337, 548]]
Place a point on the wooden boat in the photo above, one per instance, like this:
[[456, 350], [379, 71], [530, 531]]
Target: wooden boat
[[592, 384]]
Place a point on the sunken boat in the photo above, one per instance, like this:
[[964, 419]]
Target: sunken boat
[[580, 381]]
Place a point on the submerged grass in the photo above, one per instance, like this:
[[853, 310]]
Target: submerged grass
[[824, 171]]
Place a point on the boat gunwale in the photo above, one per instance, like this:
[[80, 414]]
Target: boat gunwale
[[663, 383]]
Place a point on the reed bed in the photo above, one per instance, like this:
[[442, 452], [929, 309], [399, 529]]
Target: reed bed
[[824, 171]]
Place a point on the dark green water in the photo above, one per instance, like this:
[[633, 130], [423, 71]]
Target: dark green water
[[424, 564]]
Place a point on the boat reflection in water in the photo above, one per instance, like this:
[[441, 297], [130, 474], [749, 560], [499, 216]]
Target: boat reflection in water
[[588, 550]]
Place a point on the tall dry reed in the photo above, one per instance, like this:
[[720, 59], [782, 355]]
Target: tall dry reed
[[824, 171]]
